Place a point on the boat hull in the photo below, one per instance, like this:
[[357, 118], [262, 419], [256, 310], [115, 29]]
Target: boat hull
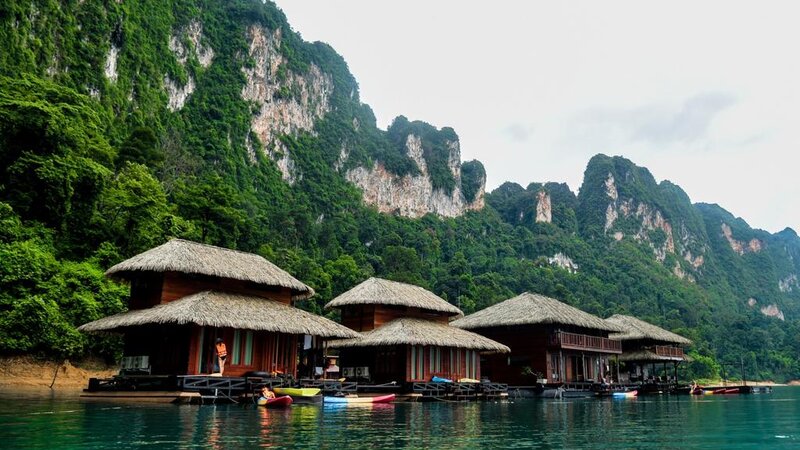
[[297, 392], [630, 394], [277, 402], [356, 400]]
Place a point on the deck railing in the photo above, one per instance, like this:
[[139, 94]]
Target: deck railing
[[576, 341], [672, 352]]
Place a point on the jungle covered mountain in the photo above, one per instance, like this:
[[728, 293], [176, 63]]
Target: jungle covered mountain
[[123, 124]]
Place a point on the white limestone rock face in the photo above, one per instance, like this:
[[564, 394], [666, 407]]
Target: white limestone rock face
[[740, 247], [177, 94], [544, 210], [651, 219], [789, 283], [287, 102], [773, 311], [563, 261], [193, 32], [111, 63], [414, 196]]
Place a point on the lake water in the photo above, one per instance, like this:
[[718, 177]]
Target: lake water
[[36, 420]]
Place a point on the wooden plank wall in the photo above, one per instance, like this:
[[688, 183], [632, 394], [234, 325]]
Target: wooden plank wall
[[146, 291], [178, 285], [453, 363], [271, 352], [528, 349], [369, 317]]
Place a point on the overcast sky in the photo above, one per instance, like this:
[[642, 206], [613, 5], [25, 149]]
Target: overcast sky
[[704, 94]]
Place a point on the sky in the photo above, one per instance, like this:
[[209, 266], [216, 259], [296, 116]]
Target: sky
[[704, 94]]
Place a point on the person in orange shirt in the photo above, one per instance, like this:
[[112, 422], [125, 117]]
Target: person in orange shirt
[[222, 354]]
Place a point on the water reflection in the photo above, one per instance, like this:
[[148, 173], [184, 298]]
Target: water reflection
[[48, 421]]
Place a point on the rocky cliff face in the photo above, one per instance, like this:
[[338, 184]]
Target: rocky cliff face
[[752, 246], [414, 195], [771, 310], [563, 261], [648, 219], [287, 102], [544, 209], [184, 44], [788, 284]]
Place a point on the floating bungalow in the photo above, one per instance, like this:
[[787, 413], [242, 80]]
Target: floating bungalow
[[648, 352], [552, 344], [185, 295], [405, 336]]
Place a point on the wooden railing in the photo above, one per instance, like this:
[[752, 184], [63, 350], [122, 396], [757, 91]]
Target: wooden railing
[[576, 341], [672, 352]]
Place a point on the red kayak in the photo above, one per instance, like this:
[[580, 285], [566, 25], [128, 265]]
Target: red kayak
[[277, 402]]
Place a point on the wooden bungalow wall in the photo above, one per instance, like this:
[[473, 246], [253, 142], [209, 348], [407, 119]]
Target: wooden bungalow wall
[[247, 351], [148, 290], [532, 355], [369, 317], [425, 362], [413, 363]]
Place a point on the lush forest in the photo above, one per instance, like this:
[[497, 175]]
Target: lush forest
[[95, 166]]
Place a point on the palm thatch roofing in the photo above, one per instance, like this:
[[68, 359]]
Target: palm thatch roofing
[[377, 291], [633, 329], [649, 356], [179, 255], [410, 331], [533, 309], [225, 310]]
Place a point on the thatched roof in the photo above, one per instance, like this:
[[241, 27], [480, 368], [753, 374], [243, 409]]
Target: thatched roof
[[408, 331], [377, 291], [220, 309], [647, 355], [179, 255], [532, 309], [633, 329]]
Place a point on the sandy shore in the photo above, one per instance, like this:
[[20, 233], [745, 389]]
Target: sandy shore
[[30, 372]]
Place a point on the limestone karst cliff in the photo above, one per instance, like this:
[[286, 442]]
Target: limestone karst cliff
[[123, 124]]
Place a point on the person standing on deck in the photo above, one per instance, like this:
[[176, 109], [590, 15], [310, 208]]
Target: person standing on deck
[[222, 354]]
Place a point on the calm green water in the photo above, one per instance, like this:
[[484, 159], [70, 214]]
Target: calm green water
[[34, 420]]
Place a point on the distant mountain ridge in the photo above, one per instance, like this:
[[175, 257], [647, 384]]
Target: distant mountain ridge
[[125, 123]]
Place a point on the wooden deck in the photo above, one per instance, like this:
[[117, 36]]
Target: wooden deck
[[143, 397]]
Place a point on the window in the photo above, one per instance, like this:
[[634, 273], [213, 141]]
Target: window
[[417, 362], [248, 348], [242, 348], [236, 353]]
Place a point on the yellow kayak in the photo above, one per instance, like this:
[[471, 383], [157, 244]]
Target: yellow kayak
[[297, 392]]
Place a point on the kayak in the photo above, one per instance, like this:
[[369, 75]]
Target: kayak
[[726, 391], [379, 399], [297, 392], [627, 394], [277, 402], [441, 380]]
